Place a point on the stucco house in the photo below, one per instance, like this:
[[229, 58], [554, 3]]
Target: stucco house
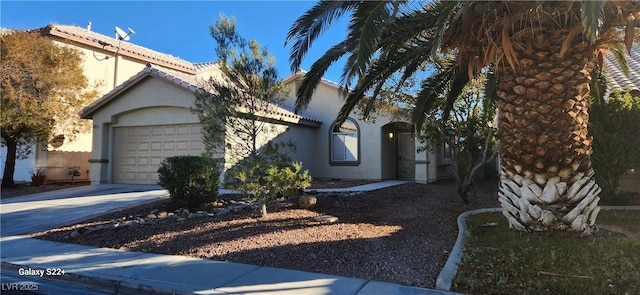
[[107, 62], [149, 117], [145, 116]]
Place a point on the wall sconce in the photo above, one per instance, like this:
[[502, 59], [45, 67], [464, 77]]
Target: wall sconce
[[390, 135]]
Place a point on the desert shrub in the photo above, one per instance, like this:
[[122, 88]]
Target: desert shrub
[[190, 180], [268, 175], [287, 181], [615, 124]]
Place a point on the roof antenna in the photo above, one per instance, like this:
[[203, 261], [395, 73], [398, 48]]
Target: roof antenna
[[121, 35]]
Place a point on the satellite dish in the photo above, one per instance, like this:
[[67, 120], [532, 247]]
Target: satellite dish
[[121, 35]]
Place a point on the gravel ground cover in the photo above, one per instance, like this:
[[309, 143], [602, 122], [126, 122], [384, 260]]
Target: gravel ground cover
[[400, 234]]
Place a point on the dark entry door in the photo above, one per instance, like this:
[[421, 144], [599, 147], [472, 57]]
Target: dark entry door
[[405, 164]]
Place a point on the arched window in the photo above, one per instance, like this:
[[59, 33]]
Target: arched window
[[345, 143]]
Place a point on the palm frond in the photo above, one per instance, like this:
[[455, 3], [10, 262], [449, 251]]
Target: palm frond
[[367, 25], [307, 28], [592, 13], [598, 86], [618, 51], [459, 81], [443, 11], [382, 68], [434, 90], [491, 99], [317, 70]]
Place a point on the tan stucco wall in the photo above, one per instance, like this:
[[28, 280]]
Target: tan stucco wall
[[149, 102], [101, 71], [100, 74], [301, 136], [59, 164], [324, 106], [154, 101]]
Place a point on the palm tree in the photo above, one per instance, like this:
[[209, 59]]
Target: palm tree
[[541, 53]]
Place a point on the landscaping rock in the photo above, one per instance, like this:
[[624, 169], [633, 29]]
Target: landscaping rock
[[223, 211], [308, 202], [326, 219]]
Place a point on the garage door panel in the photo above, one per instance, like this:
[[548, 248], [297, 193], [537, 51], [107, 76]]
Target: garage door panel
[[156, 146], [196, 145], [144, 131], [182, 145], [156, 160], [184, 130], [169, 131], [139, 151], [143, 147], [130, 161]]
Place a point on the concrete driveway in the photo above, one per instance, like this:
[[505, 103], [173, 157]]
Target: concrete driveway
[[27, 214]]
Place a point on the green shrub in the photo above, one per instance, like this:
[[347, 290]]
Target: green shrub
[[268, 175], [190, 180], [620, 198], [287, 181]]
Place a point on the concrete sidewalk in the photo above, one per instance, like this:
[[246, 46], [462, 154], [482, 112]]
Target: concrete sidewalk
[[123, 272], [360, 188]]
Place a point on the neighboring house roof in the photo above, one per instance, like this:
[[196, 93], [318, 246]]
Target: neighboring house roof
[[618, 80], [204, 66], [397, 112], [189, 82], [4, 32], [102, 42], [298, 75]]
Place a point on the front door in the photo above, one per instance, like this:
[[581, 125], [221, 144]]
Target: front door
[[405, 164]]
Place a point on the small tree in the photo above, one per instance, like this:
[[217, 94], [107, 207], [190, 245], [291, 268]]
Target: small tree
[[468, 131], [232, 111], [234, 102], [268, 174], [42, 90], [615, 126]]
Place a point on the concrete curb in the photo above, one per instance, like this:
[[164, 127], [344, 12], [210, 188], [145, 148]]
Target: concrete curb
[[445, 278]]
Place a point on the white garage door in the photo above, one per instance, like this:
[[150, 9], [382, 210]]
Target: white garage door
[[138, 151]]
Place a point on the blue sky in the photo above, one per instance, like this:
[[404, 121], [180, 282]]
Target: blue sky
[[179, 28]]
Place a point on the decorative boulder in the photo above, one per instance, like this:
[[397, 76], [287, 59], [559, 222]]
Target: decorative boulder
[[326, 219], [308, 202]]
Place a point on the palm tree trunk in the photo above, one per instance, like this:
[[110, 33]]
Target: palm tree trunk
[[546, 179]]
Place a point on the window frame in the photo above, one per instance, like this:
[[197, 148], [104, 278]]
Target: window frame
[[334, 162]]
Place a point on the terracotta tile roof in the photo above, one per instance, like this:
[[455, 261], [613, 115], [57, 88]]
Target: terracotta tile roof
[[99, 41], [300, 74], [4, 31], [203, 66], [189, 82], [617, 78]]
